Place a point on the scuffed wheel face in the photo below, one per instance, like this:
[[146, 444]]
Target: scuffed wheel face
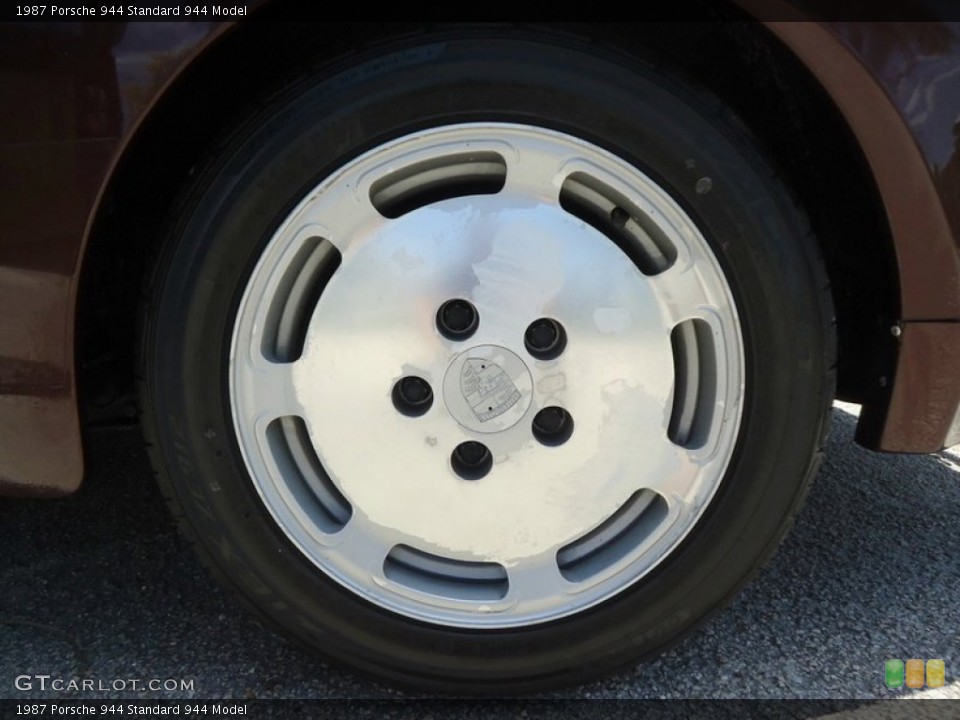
[[486, 375], [487, 364]]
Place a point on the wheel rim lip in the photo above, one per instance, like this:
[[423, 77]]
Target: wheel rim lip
[[319, 550]]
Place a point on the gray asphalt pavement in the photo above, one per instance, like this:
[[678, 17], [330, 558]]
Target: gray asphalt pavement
[[100, 586]]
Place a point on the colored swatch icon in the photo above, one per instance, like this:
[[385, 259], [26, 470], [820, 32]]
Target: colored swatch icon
[[914, 673], [893, 673], [897, 673], [935, 673]]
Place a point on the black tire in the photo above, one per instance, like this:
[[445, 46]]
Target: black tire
[[677, 134]]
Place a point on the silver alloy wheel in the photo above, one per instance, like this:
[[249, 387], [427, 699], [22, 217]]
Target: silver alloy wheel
[[524, 224]]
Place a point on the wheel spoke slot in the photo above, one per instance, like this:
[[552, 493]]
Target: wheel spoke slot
[[436, 179], [614, 539], [695, 383], [304, 476], [445, 577], [299, 290], [610, 212]]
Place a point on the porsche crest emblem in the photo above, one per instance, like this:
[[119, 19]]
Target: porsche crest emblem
[[487, 388]]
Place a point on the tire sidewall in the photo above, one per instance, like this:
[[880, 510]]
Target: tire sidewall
[[675, 135]]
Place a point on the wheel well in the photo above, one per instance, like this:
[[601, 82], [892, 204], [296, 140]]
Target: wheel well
[[784, 106], [810, 143]]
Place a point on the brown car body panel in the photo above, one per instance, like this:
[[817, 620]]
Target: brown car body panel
[[904, 170], [925, 393], [905, 112], [81, 93]]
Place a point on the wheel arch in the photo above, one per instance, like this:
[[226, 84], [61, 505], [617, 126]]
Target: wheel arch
[[225, 76], [252, 60]]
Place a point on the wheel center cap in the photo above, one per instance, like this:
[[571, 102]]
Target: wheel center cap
[[487, 388]]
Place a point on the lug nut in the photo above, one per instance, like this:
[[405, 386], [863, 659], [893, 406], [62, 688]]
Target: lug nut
[[412, 396], [457, 319], [471, 460], [545, 338], [552, 426]]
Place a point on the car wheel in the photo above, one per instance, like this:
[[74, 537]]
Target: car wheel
[[487, 364]]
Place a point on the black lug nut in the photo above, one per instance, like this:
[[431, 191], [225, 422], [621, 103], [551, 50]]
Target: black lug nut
[[457, 319], [412, 396], [545, 338], [552, 426], [471, 460]]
